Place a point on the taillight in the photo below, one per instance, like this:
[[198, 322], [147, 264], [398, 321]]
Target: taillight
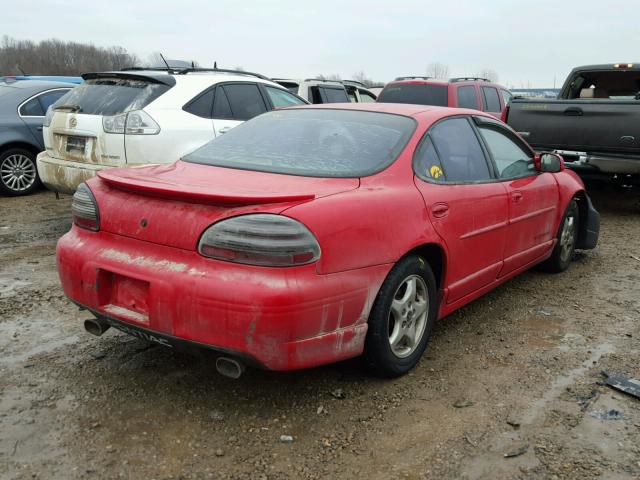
[[260, 239], [85, 209], [136, 122]]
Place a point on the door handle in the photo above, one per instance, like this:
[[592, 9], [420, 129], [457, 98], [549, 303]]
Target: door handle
[[39, 128], [224, 130], [573, 111], [516, 196], [440, 210]]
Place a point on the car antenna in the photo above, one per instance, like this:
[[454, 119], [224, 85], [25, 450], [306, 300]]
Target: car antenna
[[165, 62], [22, 71]]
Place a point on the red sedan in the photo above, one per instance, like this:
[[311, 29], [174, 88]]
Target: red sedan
[[311, 235]]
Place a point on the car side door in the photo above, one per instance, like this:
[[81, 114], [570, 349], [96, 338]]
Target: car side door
[[33, 110], [234, 103], [491, 101], [466, 206], [533, 196]]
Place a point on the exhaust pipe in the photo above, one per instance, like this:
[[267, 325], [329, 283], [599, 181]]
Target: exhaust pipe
[[96, 326], [229, 367]]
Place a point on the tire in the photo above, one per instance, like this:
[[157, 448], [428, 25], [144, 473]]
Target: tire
[[397, 315], [18, 172], [567, 237]]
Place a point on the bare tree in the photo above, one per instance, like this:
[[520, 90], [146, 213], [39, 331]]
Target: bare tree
[[332, 77], [438, 70], [57, 57], [489, 74]]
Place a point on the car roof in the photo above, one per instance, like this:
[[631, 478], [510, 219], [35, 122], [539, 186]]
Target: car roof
[[406, 109], [36, 85], [609, 66]]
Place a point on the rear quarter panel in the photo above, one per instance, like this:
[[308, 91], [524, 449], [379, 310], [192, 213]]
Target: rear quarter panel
[[180, 133], [375, 224]]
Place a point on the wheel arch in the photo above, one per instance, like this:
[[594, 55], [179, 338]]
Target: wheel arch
[[434, 254], [19, 144], [588, 222]]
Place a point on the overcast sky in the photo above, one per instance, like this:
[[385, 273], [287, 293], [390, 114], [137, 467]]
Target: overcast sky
[[528, 43]]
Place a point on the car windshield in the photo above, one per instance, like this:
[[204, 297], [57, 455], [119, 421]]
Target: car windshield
[[311, 142], [112, 96]]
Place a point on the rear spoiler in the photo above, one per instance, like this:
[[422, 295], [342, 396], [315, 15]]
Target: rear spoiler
[[130, 179], [163, 79]]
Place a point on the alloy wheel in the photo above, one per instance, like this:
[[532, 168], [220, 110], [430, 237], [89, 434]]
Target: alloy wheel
[[18, 172], [567, 237], [408, 316]]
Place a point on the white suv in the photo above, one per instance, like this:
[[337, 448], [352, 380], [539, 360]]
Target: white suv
[[328, 91], [138, 117]]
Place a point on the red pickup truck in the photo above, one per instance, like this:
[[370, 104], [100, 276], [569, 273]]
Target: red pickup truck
[[462, 92]]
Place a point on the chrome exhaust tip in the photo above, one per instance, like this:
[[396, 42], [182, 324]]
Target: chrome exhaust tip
[[230, 367], [96, 326]]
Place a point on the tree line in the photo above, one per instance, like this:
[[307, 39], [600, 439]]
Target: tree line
[[57, 57]]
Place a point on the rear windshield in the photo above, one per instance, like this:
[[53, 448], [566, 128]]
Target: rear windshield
[[311, 142], [111, 96], [613, 85], [417, 93]]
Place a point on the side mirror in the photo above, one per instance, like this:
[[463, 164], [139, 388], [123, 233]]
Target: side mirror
[[549, 162]]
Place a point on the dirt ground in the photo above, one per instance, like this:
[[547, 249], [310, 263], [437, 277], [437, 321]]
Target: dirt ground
[[517, 372]]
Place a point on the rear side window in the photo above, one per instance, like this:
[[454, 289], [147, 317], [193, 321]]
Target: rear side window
[[112, 96], [491, 100], [467, 97], [510, 158], [459, 152], [245, 100], [366, 97], [202, 105], [335, 95], [281, 98], [420, 94], [506, 96], [32, 109], [221, 107], [49, 98], [426, 163], [37, 106]]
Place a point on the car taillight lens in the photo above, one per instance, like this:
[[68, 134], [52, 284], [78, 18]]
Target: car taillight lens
[[85, 209], [136, 122], [260, 239]]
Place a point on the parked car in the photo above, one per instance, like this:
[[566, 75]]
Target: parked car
[[358, 92], [328, 91], [464, 92], [237, 247], [136, 117], [49, 78], [22, 109], [594, 123], [376, 89]]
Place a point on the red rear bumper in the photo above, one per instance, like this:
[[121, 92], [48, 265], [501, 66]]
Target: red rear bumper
[[283, 318]]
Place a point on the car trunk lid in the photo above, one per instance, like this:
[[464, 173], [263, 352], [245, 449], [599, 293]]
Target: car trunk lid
[[173, 204]]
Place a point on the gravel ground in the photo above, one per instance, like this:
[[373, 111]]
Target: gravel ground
[[510, 386]]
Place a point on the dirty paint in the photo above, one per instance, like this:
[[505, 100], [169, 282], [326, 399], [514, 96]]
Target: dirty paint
[[142, 261]]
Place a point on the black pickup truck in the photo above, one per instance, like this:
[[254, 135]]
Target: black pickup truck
[[594, 123]]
